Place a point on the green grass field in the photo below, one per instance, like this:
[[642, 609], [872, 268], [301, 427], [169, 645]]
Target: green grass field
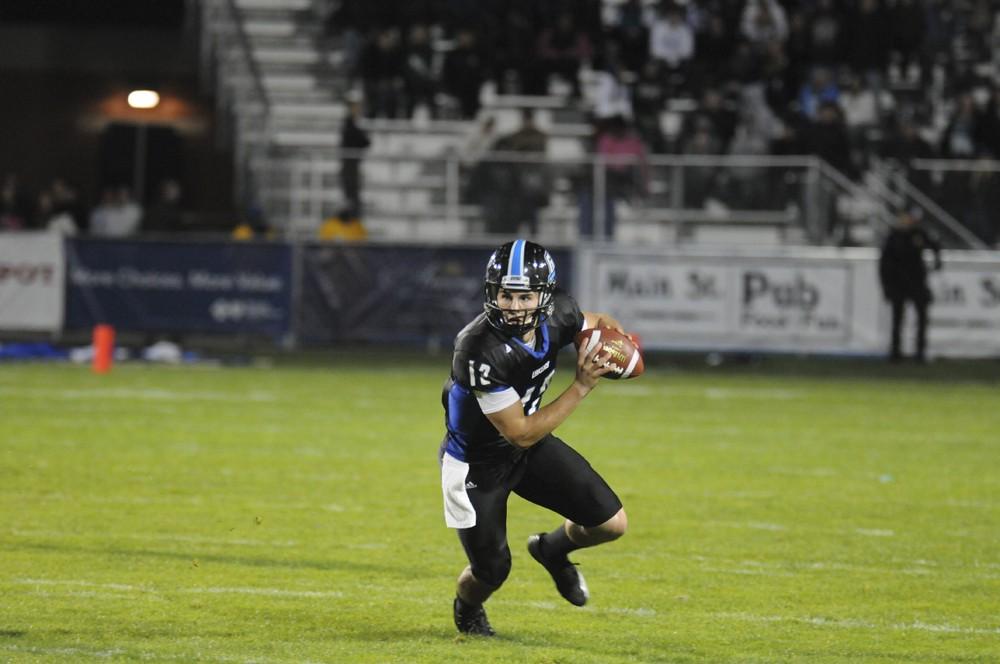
[[292, 514]]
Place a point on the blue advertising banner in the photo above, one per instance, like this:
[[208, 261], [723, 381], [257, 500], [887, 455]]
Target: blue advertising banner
[[396, 294], [211, 287]]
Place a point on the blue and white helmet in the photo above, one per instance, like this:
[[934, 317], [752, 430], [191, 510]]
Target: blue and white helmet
[[519, 265]]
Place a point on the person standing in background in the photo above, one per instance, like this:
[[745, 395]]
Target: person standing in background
[[517, 187], [15, 209], [904, 278], [353, 141], [117, 215], [165, 214]]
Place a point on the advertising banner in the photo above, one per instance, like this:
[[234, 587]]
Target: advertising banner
[[792, 302], [678, 301], [965, 313], [395, 293], [663, 298], [31, 281], [822, 300], [211, 287]]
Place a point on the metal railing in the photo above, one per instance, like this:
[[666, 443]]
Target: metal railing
[[667, 198], [913, 187], [662, 199], [227, 61], [967, 189]]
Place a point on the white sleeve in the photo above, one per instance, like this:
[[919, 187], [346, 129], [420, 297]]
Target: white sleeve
[[492, 402]]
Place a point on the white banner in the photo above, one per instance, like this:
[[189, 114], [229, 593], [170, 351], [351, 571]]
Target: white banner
[[793, 303], [965, 314], [785, 300], [32, 283], [664, 298]]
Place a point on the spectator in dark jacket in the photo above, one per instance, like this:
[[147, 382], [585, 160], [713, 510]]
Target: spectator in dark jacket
[[382, 70], [15, 210], [867, 28], [906, 145], [561, 50], [908, 25], [353, 140], [827, 138], [714, 49], [630, 35], [904, 278], [165, 214], [518, 188], [420, 76], [958, 141], [826, 33], [464, 73], [513, 58], [987, 126], [649, 99]]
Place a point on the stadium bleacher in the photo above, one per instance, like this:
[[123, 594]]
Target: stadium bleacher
[[304, 73], [284, 72]]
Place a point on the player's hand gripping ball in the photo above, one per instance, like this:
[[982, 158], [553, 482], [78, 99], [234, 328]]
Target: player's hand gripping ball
[[624, 357]]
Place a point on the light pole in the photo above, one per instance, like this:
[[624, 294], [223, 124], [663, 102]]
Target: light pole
[[143, 99]]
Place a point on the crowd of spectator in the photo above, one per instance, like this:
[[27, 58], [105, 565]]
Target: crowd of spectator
[[849, 80], [857, 82], [59, 207], [879, 62], [880, 65]]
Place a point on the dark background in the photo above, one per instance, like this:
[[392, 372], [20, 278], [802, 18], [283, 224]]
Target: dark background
[[66, 67]]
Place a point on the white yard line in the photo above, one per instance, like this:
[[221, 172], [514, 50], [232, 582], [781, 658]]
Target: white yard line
[[853, 623], [642, 612], [206, 590], [745, 571], [722, 394], [712, 393], [778, 527], [978, 535], [747, 525], [83, 652], [145, 655], [154, 537], [91, 594], [283, 592], [845, 567], [263, 507], [137, 394], [131, 500], [267, 592], [804, 472], [969, 504], [797, 567]]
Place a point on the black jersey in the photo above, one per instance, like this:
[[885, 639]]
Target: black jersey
[[491, 370]]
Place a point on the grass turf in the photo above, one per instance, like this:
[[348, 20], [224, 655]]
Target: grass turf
[[292, 514]]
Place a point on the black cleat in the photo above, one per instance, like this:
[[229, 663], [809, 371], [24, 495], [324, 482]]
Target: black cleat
[[472, 620], [569, 581]]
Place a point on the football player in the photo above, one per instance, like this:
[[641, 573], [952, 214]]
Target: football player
[[500, 440]]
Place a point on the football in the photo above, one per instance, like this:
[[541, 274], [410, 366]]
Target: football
[[625, 358]]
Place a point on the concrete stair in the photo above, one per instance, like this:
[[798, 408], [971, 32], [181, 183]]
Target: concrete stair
[[292, 155]]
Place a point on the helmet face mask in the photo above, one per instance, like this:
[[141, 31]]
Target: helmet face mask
[[517, 267]]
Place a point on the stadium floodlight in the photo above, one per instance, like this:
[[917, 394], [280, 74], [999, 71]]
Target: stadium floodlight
[[143, 99]]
